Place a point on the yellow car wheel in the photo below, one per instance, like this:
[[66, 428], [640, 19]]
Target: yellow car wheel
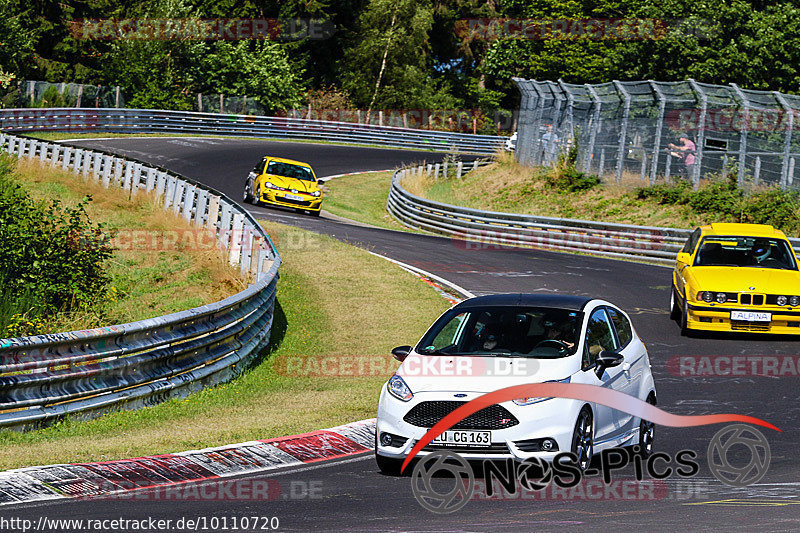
[[674, 308], [685, 331]]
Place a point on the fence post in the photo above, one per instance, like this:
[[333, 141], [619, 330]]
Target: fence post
[[787, 140], [757, 171], [644, 164], [200, 102], [667, 168], [701, 134], [593, 129], [790, 175], [116, 98], [745, 104], [662, 104], [623, 129], [602, 162]]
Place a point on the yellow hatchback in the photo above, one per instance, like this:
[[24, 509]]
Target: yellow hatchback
[[284, 182], [736, 277]]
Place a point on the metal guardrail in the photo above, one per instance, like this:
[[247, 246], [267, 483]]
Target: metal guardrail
[[185, 122], [487, 229], [86, 373]]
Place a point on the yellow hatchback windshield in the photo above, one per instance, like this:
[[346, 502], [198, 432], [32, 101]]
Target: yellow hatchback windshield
[[757, 252], [287, 170]]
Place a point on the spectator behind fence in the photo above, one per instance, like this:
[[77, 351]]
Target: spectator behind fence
[[686, 151]]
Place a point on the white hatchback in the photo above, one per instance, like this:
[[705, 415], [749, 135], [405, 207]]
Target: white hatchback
[[491, 342]]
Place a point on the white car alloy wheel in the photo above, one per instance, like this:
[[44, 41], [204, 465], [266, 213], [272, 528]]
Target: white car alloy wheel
[[583, 439]]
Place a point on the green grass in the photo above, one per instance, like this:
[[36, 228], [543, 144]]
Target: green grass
[[350, 304], [362, 197]]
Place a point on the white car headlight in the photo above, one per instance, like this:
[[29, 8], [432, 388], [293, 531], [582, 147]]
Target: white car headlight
[[398, 388], [532, 400]]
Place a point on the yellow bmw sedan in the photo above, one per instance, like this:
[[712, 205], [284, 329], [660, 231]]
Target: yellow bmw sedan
[[736, 277], [284, 182]]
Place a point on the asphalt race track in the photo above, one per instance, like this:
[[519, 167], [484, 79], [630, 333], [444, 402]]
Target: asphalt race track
[[351, 494]]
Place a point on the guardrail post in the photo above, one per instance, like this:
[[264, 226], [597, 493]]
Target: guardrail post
[[428, 169], [161, 185], [247, 249], [21, 148], [137, 178], [459, 168], [10, 147], [77, 164], [127, 182], [55, 155], [475, 165], [118, 171], [66, 158], [150, 182], [106, 170], [43, 152], [213, 212], [188, 202], [180, 186], [169, 192], [444, 170], [255, 252], [225, 223], [235, 256], [436, 169], [200, 209]]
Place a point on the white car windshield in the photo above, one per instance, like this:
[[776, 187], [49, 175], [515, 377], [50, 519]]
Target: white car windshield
[[504, 332], [758, 252]]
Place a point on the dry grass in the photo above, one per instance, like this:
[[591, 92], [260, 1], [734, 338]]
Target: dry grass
[[508, 186], [153, 275]]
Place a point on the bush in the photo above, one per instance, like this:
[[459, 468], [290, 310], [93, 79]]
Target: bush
[[566, 178], [53, 258], [727, 202]]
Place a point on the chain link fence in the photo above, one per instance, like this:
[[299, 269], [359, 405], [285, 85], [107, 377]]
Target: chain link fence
[[29, 93], [630, 132]]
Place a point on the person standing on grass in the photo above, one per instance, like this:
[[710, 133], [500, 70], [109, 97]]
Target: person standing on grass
[[686, 151]]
